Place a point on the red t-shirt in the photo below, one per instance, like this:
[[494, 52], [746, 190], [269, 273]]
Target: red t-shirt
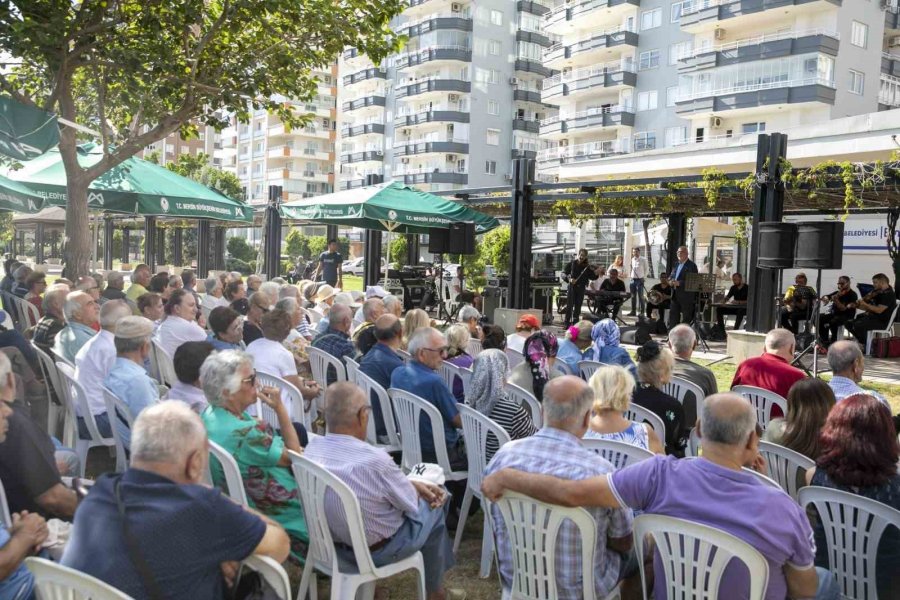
[[770, 372]]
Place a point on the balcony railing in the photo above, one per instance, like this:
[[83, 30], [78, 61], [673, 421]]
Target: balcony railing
[[584, 38], [626, 65], [697, 5], [591, 112], [426, 140], [587, 151], [754, 87], [889, 93], [730, 47]]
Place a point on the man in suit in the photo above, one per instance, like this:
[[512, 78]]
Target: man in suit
[[683, 302]]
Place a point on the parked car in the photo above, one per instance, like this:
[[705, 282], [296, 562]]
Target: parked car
[[358, 266]]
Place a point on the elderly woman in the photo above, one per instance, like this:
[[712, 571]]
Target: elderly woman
[[226, 329], [414, 320], [457, 336], [493, 337], [613, 386], [159, 284], [525, 328], [36, 283], [606, 348], [488, 396], [273, 358], [576, 342], [295, 339], [537, 368], [229, 383], [655, 365], [180, 323]]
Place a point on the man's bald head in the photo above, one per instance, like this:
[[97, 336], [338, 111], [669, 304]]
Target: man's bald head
[[727, 419], [566, 401], [388, 327], [344, 402], [340, 317]]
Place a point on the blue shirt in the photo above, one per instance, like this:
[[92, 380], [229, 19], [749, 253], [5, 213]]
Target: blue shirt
[[570, 354], [185, 533], [131, 384], [844, 387], [19, 584], [70, 340], [220, 345], [416, 378], [379, 363]]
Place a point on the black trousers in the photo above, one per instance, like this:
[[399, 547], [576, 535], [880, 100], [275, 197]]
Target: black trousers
[[861, 326], [573, 304], [739, 311], [790, 319], [829, 325], [682, 309], [658, 307]]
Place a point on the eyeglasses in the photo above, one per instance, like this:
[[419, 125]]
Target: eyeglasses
[[251, 380], [442, 349]]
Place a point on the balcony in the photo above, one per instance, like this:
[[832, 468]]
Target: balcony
[[434, 53], [527, 95], [533, 37], [452, 21], [562, 19], [702, 15], [275, 152], [762, 48], [351, 184], [589, 48], [432, 116], [526, 125], [528, 65], [317, 176], [580, 152], [366, 102], [755, 95], [534, 7], [889, 93], [891, 16], [890, 64], [432, 85], [435, 176], [607, 77], [364, 75], [416, 147], [365, 129], [365, 156], [594, 118]]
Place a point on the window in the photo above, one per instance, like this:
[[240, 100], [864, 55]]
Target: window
[[651, 19], [530, 51], [748, 128], [645, 140], [648, 60], [677, 9], [647, 100], [492, 138], [496, 17], [675, 136], [679, 51], [490, 167], [494, 48], [857, 82], [493, 76], [671, 95], [859, 34], [493, 107]]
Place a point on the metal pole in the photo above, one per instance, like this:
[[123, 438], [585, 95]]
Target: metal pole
[[177, 240], [150, 242], [39, 243], [372, 239], [273, 233], [126, 243], [521, 231], [412, 249], [108, 233], [160, 246], [331, 232], [675, 237], [218, 252], [203, 248]]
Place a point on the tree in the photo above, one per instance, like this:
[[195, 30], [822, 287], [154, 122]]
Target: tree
[[398, 251], [296, 245], [239, 248], [199, 168], [137, 71], [493, 249]]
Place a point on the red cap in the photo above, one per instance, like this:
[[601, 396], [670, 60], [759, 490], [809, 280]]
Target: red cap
[[529, 321]]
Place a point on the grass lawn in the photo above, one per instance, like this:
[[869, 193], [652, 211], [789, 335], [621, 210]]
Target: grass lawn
[[352, 283]]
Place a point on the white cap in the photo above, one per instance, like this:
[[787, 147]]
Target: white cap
[[346, 298], [375, 291], [427, 472]]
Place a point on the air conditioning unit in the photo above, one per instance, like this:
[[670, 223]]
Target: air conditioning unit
[[454, 97], [456, 7], [894, 42], [720, 34], [508, 177], [715, 122], [451, 158], [514, 81], [405, 161], [563, 143]]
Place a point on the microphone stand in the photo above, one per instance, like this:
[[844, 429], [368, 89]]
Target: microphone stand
[[814, 345]]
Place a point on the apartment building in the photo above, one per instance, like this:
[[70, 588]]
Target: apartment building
[[459, 102], [641, 78], [208, 141]]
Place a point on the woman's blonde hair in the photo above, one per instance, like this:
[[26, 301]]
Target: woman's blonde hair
[[457, 339], [414, 319], [658, 371], [584, 331], [613, 386]]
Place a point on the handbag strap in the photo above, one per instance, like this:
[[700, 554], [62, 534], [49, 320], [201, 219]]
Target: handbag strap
[[134, 551]]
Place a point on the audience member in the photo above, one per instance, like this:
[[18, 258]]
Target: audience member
[[457, 336], [556, 450], [733, 500], [613, 386], [487, 394], [159, 284], [257, 306], [364, 335], [53, 321], [414, 320], [226, 329], [9, 281], [576, 342], [17, 542], [88, 284], [494, 337], [185, 533], [772, 370], [236, 296], [36, 283], [683, 342], [606, 348], [379, 363], [214, 294], [189, 280], [270, 356], [175, 283], [525, 328], [187, 360], [140, 279], [469, 316], [229, 382], [847, 367], [128, 378], [151, 307], [253, 283], [655, 364], [324, 300], [808, 404], [394, 305], [859, 454], [115, 284], [403, 516], [81, 314], [180, 324], [336, 339], [20, 275], [270, 289], [537, 368], [295, 340]]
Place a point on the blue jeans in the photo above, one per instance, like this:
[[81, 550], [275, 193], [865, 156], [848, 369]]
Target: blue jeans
[[66, 460], [828, 588], [637, 294]]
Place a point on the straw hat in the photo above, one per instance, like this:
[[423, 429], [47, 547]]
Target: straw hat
[[325, 292]]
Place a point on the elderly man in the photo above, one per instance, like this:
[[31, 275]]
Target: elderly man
[[393, 305], [381, 361], [798, 303], [128, 378], [81, 312], [402, 516], [683, 302], [20, 288], [93, 363], [733, 500], [847, 366], [214, 294], [88, 285], [253, 283], [29, 461], [364, 335], [186, 533], [188, 359], [336, 339], [556, 450], [115, 284], [189, 280], [271, 290], [236, 296], [772, 370], [469, 316], [53, 321], [683, 341], [372, 291], [140, 279]]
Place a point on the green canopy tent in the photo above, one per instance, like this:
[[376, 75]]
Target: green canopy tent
[[18, 197], [25, 131], [391, 207]]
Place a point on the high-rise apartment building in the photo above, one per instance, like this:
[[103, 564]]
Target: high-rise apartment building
[[459, 102]]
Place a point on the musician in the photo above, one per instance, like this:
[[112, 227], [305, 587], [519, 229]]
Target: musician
[[612, 294], [593, 287], [663, 291], [735, 302], [683, 302], [878, 306], [637, 274], [577, 273], [843, 309], [798, 301]]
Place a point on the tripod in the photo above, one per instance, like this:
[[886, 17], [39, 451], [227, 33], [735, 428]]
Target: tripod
[[814, 345], [703, 284]]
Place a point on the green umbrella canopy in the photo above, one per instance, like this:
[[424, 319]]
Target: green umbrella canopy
[[387, 207], [134, 187], [17, 197], [25, 131]]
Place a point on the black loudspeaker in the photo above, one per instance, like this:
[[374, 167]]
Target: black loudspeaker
[[776, 245], [462, 238], [819, 245], [437, 240]]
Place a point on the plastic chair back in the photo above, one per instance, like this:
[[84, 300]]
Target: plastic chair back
[[786, 466], [694, 557], [53, 581], [29, 312], [526, 399], [369, 386], [853, 529], [409, 409], [54, 397], [449, 372], [352, 369], [76, 396], [515, 358], [473, 348], [115, 406], [476, 428], [234, 483], [588, 367], [763, 401], [619, 454], [679, 388], [290, 397], [640, 414], [164, 364], [765, 479], [272, 573], [319, 361]]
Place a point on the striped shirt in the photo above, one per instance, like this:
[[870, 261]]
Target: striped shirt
[[844, 387], [514, 419], [554, 452], [383, 491]]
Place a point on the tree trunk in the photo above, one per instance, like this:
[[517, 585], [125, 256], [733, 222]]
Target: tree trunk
[[77, 253]]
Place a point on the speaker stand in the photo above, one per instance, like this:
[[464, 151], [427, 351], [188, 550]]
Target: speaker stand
[[814, 345]]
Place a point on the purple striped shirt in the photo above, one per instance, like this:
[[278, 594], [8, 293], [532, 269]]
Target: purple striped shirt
[[383, 491]]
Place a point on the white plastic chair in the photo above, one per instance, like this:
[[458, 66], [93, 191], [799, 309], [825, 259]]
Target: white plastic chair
[[762, 400], [619, 454], [234, 483], [526, 399], [853, 529], [352, 369], [117, 410], [679, 388], [5, 516], [888, 331], [272, 573], [319, 361], [515, 358], [369, 386], [786, 466], [693, 446], [408, 409], [29, 312], [679, 543], [473, 348], [165, 368], [465, 373], [765, 479], [476, 428], [587, 368], [533, 528], [53, 581], [319, 487], [76, 396], [450, 372], [638, 413], [290, 397], [55, 401]]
